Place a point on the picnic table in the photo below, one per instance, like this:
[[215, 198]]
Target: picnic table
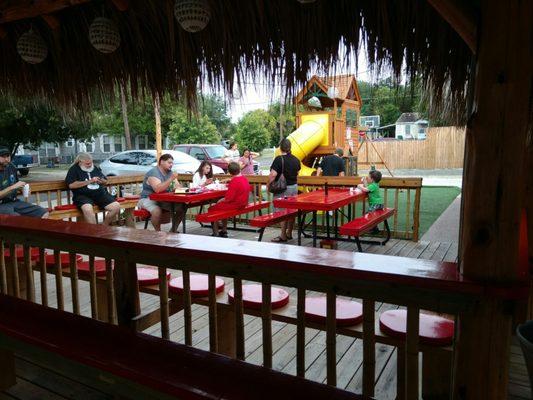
[[319, 200], [191, 199]]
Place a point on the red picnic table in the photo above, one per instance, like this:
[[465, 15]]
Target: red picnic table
[[191, 199], [319, 200]]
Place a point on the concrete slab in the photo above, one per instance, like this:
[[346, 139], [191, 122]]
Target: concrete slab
[[446, 227]]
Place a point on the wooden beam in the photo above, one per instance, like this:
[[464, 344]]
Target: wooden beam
[[52, 21], [35, 9], [121, 5], [498, 138], [461, 19]]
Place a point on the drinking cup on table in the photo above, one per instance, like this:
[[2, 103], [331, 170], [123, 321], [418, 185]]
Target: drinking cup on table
[[26, 190]]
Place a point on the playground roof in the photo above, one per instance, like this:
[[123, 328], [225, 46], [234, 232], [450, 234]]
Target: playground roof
[[243, 40]]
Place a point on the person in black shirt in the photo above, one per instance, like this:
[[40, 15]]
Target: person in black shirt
[[9, 187], [332, 165], [289, 166], [87, 183]]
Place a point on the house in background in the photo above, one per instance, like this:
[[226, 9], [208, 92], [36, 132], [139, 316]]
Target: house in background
[[101, 147], [410, 126]]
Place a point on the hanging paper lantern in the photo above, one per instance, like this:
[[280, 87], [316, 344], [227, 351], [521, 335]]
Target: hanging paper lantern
[[104, 35], [32, 47], [314, 102], [192, 15], [333, 92]]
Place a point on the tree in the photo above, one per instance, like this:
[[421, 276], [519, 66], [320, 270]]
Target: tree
[[31, 124], [255, 130], [285, 117], [195, 129], [214, 107]]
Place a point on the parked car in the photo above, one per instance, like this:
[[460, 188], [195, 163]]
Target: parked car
[[214, 153], [23, 162], [141, 161]]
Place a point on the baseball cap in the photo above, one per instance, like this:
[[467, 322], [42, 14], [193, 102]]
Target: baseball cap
[[4, 151]]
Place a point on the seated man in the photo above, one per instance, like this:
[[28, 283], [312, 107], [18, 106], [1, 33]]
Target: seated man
[[158, 180], [87, 183], [236, 197], [9, 186]]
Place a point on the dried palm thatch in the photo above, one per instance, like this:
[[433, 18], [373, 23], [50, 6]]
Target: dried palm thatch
[[283, 41]]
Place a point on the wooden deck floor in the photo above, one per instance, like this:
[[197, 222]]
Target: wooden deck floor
[[38, 382]]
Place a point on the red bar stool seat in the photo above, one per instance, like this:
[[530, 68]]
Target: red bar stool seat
[[252, 296], [99, 267], [64, 260], [148, 276], [348, 312], [433, 329], [132, 197], [199, 285], [34, 254], [142, 214]]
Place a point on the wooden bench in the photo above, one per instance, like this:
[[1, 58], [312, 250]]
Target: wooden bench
[[65, 211], [157, 369], [209, 217], [367, 222], [264, 221]]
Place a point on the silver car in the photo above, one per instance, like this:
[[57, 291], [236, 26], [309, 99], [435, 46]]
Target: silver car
[[141, 161]]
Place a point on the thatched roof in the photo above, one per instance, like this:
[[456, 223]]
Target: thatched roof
[[260, 37]]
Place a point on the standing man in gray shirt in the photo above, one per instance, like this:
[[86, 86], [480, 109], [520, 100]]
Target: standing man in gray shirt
[[159, 180]]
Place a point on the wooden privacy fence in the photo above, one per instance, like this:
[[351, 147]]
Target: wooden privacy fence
[[402, 194], [410, 283], [443, 147]]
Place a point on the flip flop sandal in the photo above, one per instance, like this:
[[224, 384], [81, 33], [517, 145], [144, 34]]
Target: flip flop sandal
[[278, 239]]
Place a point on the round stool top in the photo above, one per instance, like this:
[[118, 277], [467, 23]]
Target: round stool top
[[99, 267], [252, 296], [148, 276], [64, 260], [348, 312], [433, 330], [199, 285], [34, 253]]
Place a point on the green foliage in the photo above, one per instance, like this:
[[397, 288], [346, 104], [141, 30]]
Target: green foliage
[[31, 124], [215, 109], [255, 130], [192, 130], [286, 120]]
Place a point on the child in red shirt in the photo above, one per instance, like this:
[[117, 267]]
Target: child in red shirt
[[236, 197]]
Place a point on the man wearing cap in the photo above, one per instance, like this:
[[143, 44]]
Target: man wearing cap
[[9, 186]]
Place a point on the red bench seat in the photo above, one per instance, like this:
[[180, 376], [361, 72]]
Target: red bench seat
[[264, 221], [365, 223], [209, 217], [361, 225], [136, 365]]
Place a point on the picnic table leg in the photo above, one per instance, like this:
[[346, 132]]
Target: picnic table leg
[[184, 217], [299, 227], [8, 377], [327, 225], [314, 228], [336, 223], [173, 216]]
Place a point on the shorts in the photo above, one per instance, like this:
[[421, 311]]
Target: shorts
[[101, 199], [375, 207], [291, 190], [18, 207], [151, 205]]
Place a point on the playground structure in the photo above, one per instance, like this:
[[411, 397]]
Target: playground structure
[[327, 117]]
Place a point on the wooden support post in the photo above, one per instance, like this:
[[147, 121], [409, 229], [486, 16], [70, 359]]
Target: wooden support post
[[436, 374], [158, 137], [8, 377], [226, 330], [498, 138], [126, 293]]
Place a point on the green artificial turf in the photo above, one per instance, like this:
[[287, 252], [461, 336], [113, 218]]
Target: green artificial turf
[[433, 202]]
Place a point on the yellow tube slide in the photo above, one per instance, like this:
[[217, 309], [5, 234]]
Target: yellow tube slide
[[311, 134]]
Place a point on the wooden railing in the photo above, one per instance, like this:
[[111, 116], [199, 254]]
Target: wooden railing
[[402, 194], [410, 283]]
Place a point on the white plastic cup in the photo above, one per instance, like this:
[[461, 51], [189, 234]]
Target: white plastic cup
[[26, 190]]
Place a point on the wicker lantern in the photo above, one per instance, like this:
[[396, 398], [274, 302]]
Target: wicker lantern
[[314, 102], [192, 15], [104, 35], [32, 48]]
